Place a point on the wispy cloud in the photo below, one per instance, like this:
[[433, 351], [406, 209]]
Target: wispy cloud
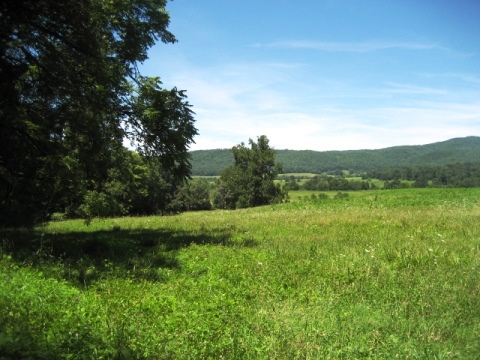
[[237, 101], [331, 127], [359, 47]]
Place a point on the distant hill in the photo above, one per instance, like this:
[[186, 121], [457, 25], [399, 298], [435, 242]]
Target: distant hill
[[458, 150]]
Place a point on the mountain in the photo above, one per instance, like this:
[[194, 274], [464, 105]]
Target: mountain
[[458, 150]]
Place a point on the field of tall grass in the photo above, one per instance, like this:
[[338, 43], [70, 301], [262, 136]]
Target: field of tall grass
[[372, 275]]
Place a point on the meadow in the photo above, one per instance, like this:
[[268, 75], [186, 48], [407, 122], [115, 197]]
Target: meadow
[[379, 274]]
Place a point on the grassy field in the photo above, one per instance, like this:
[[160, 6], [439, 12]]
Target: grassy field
[[375, 275]]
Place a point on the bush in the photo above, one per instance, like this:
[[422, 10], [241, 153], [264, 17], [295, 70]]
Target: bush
[[193, 195], [341, 195], [98, 204]]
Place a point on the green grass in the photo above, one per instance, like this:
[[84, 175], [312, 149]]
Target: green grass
[[375, 275]]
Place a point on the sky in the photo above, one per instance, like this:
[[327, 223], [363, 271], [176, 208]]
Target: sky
[[325, 74]]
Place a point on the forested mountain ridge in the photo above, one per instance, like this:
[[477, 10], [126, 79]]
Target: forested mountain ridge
[[457, 150]]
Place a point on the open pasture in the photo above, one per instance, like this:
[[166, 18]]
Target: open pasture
[[379, 275]]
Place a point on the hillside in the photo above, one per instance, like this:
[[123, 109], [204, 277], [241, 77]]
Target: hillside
[[458, 150]]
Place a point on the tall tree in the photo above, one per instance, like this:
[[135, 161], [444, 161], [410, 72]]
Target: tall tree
[[71, 93], [250, 181]]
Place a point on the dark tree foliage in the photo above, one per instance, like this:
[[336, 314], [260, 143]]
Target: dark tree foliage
[[326, 183], [136, 185], [192, 195], [292, 184], [70, 94], [395, 184], [250, 181]]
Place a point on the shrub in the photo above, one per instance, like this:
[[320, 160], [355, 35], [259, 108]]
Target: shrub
[[341, 195], [98, 204]]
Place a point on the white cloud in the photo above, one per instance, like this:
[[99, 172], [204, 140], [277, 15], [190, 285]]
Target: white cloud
[[343, 130], [240, 101]]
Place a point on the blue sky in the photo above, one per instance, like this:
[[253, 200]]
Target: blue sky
[[325, 74]]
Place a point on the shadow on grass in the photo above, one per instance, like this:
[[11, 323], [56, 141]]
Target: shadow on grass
[[86, 257]]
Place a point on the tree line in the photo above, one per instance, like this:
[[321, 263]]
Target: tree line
[[329, 183], [450, 175], [136, 187], [459, 150]]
